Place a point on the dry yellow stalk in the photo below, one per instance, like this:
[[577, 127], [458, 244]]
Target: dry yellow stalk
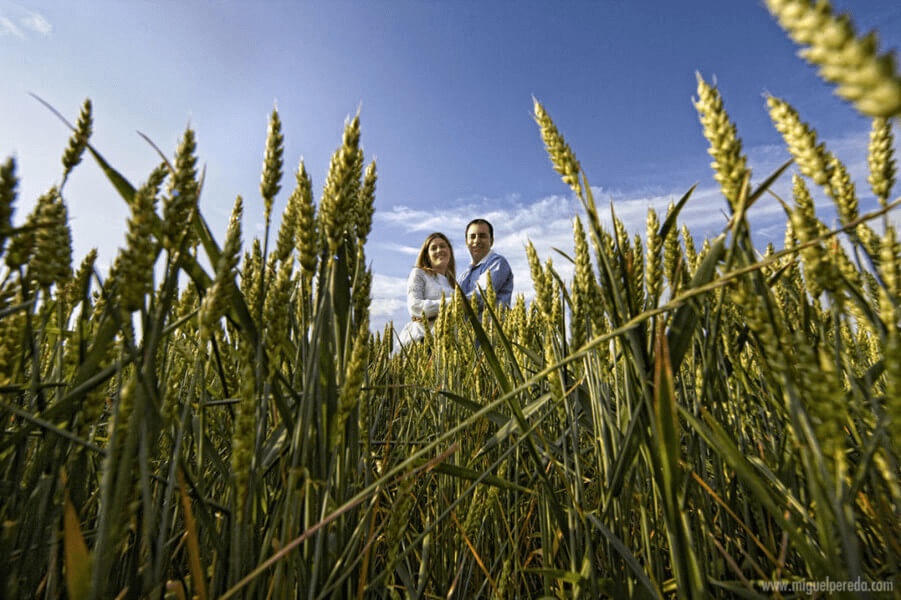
[[490, 293]]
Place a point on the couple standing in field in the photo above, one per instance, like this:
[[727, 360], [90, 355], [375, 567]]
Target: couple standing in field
[[435, 275]]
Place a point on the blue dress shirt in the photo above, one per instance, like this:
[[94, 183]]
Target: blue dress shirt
[[475, 277]]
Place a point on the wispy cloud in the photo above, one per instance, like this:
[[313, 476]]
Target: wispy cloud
[[29, 21], [395, 247], [7, 27], [37, 23]]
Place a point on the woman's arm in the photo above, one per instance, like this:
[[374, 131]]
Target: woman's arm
[[419, 304]]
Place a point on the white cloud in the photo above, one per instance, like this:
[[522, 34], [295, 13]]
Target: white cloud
[[7, 27], [37, 23], [389, 301], [395, 247], [20, 24], [389, 286], [386, 307], [408, 219]]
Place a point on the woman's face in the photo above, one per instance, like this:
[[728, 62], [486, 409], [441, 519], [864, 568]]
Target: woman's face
[[439, 254]]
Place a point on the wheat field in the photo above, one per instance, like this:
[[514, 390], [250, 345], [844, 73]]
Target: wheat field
[[680, 419]]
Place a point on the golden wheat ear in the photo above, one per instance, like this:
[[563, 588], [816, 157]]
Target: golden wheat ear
[[730, 165], [864, 77], [881, 160]]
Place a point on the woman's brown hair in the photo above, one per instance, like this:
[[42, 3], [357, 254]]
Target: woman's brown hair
[[425, 263]]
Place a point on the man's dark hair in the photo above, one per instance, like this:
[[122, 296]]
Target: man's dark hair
[[479, 222]]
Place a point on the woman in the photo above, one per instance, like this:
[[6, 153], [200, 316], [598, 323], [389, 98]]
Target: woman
[[433, 276]]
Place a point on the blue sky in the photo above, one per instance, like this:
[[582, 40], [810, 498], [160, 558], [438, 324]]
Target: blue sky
[[444, 90]]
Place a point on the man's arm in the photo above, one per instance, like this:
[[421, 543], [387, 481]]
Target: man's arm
[[465, 282], [501, 278]]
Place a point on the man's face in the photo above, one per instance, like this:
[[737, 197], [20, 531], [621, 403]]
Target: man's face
[[478, 240]]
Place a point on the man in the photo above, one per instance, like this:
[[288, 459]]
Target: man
[[479, 240]]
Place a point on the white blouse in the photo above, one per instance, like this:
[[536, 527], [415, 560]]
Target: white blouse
[[424, 291]]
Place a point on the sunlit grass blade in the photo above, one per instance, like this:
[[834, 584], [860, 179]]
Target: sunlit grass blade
[[198, 575], [667, 434], [77, 557], [673, 215]]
